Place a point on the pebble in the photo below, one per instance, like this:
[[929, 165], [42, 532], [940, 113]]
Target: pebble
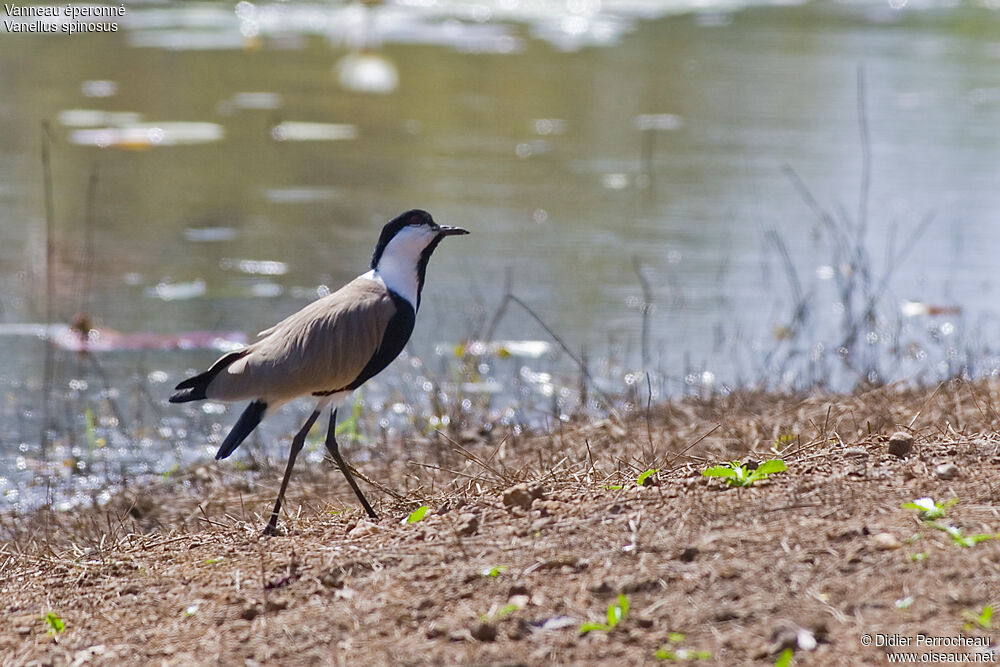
[[946, 471], [484, 632], [468, 524], [521, 495], [900, 444], [885, 541]]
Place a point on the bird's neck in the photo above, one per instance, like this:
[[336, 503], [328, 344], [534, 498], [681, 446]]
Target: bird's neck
[[403, 278]]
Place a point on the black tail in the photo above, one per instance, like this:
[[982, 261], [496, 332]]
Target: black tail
[[244, 426], [193, 389]]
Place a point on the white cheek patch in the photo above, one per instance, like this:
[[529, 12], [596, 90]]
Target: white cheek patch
[[397, 267]]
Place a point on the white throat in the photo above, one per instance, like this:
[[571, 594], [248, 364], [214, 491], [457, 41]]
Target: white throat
[[397, 267]]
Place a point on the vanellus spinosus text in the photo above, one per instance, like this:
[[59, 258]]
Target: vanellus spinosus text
[[330, 347]]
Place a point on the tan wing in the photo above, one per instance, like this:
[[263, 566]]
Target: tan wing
[[322, 347]]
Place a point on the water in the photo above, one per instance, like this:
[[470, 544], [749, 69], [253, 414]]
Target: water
[[246, 158]]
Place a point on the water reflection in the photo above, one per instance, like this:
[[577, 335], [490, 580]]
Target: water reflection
[[591, 146]]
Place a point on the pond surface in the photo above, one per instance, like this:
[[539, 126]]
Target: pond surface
[[239, 161]]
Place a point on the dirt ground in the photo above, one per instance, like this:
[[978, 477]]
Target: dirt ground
[[820, 559]]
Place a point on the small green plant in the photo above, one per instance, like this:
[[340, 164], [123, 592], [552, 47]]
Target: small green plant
[[929, 509], [503, 611], [982, 619], [613, 487], [784, 658], [494, 571], [350, 427], [417, 514], [737, 474], [917, 557], [617, 611], [904, 603], [644, 477], [54, 622], [672, 652], [963, 540]]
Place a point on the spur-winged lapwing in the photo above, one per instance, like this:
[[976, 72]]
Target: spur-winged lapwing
[[330, 347]]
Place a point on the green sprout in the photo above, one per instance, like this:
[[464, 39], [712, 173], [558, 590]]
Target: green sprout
[[963, 540], [644, 477], [784, 658], [503, 611], [676, 653], [613, 487], [417, 514], [494, 571], [617, 611], [737, 474], [55, 623], [983, 619], [917, 557], [929, 509]]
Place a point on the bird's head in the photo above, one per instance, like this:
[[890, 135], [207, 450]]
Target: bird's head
[[405, 246], [410, 236]]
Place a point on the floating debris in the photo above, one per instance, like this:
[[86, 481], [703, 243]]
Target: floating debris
[[296, 131], [96, 118], [256, 267], [101, 339], [529, 349], [658, 121], [304, 195], [99, 88], [209, 234], [915, 308], [367, 73], [148, 135], [177, 291]]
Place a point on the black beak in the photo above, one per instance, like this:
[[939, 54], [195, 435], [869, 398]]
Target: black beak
[[452, 231]]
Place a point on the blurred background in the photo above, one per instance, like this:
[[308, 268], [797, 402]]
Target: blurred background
[[692, 195]]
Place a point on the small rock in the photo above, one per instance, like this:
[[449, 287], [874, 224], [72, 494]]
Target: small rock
[[250, 612], [485, 632], [885, 541], [468, 524], [946, 471], [521, 495], [688, 554], [518, 589], [900, 444], [363, 529]]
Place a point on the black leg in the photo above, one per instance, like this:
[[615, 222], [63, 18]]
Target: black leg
[[297, 442], [334, 449]]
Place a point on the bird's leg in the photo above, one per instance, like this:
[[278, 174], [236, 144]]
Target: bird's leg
[[334, 449], [297, 442]]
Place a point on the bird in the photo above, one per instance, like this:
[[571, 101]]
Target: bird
[[329, 348]]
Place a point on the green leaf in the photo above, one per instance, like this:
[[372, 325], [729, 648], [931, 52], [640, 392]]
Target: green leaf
[[612, 487], [494, 571], [417, 514], [641, 480], [590, 627], [675, 637], [719, 471], [770, 467], [785, 658], [55, 623], [617, 611]]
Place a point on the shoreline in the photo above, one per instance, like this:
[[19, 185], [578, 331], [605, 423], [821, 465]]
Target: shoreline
[[526, 540]]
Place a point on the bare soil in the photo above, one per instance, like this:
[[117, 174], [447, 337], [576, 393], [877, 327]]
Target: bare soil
[[814, 559]]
